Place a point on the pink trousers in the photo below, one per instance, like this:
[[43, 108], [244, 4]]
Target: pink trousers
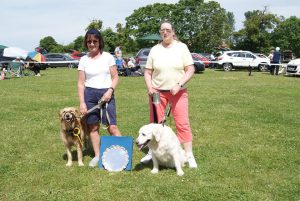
[[180, 112]]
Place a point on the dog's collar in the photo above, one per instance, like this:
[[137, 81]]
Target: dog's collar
[[76, 133]]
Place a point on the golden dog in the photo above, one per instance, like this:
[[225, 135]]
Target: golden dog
[[73, 130]]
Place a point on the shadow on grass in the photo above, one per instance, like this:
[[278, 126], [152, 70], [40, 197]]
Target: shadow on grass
[[141, 166], [86, 152]]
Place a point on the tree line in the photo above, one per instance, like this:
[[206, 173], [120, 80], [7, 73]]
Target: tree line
[[203, 26]]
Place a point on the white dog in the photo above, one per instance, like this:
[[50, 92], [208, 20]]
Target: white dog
[[164, 146]]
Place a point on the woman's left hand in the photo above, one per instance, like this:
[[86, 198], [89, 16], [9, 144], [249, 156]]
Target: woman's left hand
[[107, 95], [175, 89]]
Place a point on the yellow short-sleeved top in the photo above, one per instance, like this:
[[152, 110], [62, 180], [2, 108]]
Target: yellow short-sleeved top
[[168, 64]]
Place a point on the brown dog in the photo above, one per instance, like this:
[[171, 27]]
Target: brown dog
[[73, 131]]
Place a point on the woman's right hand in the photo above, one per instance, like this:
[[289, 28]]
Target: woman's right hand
[[151, 91], [83, 108]]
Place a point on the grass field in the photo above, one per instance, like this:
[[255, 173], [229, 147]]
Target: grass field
[[245, 128]]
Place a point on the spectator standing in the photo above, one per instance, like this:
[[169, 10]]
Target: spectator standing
[[276, 60], [169, 67], [271, 61], [97, 79]]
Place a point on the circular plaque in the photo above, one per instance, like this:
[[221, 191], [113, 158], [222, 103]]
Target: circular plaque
[[115, 158]]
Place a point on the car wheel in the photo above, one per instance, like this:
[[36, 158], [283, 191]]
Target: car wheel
[[71, 65], [196, 68], [227, 67], [262, 67]]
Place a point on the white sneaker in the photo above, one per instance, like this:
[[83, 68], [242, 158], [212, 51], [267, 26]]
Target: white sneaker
[[147, 158], [192, 162], [94, 162]]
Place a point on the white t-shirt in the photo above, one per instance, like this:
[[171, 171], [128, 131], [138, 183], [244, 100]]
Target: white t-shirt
[[168, 64], [97, 71]]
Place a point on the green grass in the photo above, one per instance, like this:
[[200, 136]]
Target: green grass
[[246, 141]]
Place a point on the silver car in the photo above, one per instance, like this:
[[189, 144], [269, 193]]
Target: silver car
[[141, 57]]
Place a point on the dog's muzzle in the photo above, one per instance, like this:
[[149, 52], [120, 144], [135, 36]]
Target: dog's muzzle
[[141, 146], [68, 116]]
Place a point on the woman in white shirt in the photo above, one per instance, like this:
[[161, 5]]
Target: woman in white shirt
[[97, 79]]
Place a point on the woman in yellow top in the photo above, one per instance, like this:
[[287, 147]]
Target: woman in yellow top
[[169, 67]]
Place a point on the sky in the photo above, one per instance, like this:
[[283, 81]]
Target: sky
[[24, 23]]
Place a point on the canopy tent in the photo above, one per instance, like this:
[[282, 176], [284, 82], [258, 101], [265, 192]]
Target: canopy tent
[[151, 37], [14, 52], [2, 47]]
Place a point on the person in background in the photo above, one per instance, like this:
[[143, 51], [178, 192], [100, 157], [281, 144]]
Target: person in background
[[97, 80], [276, 60], [118, 51], [168, 69], [20, 64], [122, 66], [35, 67], [271, 61]]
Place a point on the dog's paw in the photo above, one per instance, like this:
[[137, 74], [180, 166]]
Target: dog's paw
[[180, 173], [154, 171], [69, 164], [80, 163]]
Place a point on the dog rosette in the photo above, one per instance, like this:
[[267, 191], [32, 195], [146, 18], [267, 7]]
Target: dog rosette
[[115, 158]]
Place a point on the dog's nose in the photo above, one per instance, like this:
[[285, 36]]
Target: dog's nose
[[68, 116]]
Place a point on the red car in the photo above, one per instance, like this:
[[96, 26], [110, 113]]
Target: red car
[[205, 60], [76, 55]]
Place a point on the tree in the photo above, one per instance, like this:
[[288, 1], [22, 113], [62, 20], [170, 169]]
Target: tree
[[94, 24], [49, 44], [146, 20], [256, 34], [202, 26], [78, 44], [110, 38], [287, 35]]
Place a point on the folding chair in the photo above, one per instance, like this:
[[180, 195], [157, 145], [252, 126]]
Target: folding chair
[[14, 69], [17, 69]]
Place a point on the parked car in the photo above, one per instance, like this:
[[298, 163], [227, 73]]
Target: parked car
[[202, 58], [241, 59], [287, 56], [76, 54], [265, 67], [141, 57], [199, 65], [293, 67], [60, 60]]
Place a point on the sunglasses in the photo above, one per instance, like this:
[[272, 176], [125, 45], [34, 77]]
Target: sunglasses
[[92, 41]]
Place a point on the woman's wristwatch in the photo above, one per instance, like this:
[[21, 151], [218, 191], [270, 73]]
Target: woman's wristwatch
[[181, 85], [113, 90]]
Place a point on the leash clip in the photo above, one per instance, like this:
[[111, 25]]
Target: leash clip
[[166, 114]]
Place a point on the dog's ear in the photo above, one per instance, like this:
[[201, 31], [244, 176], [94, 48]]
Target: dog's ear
[[60, 113], [77, 112], [156, 133]]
